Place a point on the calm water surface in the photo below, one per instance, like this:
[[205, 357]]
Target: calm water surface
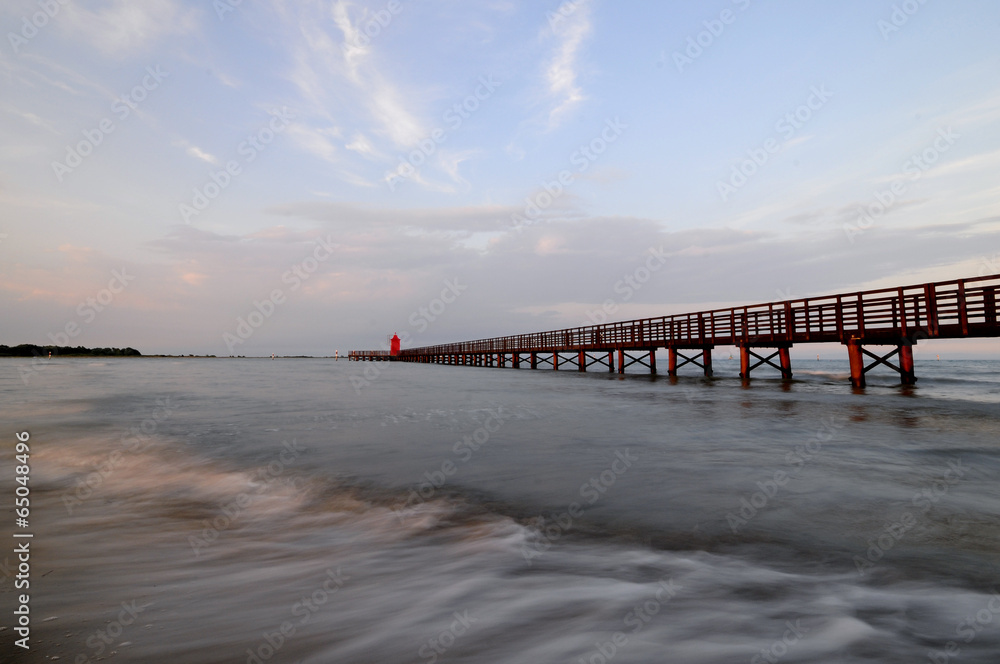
[[205, 510]]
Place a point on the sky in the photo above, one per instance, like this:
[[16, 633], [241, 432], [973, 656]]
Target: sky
[[247, 177]]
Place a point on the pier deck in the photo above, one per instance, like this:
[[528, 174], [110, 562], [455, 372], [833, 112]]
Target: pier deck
[[893, 317]]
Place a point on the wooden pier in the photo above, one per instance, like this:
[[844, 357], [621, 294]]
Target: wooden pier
[[891, 318]]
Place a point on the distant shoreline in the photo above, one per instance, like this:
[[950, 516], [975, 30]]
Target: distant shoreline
[[48, 352], [34, 350]]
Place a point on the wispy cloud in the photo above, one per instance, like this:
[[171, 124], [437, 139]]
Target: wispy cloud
[[983, 162], [361, 145], [194, 151], [352, 106], [198, 153], [570, 28], [122, 27], [29, 117]]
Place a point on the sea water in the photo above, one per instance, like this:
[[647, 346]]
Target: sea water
[[308, 510]]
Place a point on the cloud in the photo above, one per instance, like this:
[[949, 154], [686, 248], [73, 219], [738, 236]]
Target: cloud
[[319, 57], [122, 27], [979, 163], [318, 141], [198, 153], [450, 161], [350, 108], [346, 215], [570, 27], [362, 146], [844, 214], [29, 117], [386, 263]]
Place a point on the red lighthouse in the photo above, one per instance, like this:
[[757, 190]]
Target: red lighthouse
[[394, 346]]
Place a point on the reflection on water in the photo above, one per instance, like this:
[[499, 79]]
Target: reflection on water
[[249, 511]]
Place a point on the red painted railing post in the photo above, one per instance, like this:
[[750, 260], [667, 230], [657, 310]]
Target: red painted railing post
[[930, 295], [963, 312]]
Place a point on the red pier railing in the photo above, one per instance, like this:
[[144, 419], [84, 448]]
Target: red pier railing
[[897, 317]]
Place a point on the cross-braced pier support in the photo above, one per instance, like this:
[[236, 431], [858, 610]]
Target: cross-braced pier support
[[857, 352], [747, 355], [602, 357], [705, 363], [626, 360]]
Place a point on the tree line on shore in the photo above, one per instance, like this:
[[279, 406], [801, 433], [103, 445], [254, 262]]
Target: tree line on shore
[[31, 350]]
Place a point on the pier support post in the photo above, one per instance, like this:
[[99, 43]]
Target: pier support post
[[621, 360], [906, 373], [674, 357], [786, 363], [652, 361], [857, 358], [517, 360], [581, 359], [857, 352], [706, 362], [747, 356], [611, 361], [534, 360]]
